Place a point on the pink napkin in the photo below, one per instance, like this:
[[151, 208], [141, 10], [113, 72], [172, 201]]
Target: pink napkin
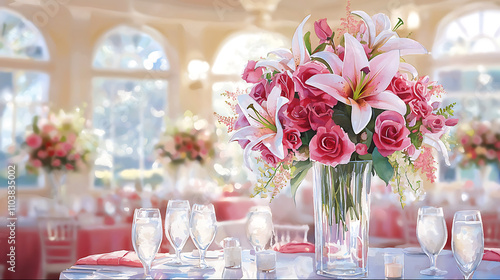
[[123, 257], [491, 254], [295, 247]]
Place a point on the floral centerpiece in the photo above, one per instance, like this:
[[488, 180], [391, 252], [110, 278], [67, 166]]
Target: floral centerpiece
[[184, 140], [59, 143], [340, 106], [480, 141]]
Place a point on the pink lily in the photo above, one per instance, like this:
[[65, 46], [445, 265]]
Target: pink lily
[[264, 124], [362, 83], [289, 60]]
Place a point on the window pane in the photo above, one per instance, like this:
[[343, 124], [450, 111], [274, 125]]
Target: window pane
[[19, 38], [128, 48], [22, 95], [129, 115], [235, 53]]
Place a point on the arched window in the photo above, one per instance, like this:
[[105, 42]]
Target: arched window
[[23, 84], [467, 49], [130, 90], [233, 57]]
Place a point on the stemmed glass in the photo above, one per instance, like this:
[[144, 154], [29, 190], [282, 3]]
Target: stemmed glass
[[467, 241], [177, 227], [259, 228], [146, 236], [203, 227], [432, 236]]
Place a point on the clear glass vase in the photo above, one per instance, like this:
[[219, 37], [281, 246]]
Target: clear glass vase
[[342, 215], [57, 181]]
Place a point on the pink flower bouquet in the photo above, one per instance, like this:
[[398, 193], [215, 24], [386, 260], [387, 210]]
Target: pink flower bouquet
[[59, 142], [186, 139], [480, 141], [351, 97]]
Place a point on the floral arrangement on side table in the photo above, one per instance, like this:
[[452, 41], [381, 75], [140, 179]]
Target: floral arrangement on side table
[[350, 98]]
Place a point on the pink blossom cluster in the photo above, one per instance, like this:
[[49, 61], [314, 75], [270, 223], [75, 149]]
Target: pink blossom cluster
[[480, 141], [186, 146], [54, 146]]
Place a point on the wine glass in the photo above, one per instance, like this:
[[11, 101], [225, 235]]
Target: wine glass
[[259, 228], [467, 241], [432, 236], [146, 236], [177, 226], [203, 227]]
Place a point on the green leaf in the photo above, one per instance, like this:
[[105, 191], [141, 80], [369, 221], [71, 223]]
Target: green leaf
[[382, 166], [322, 61], [35, 126], [306, 137], [365, 157], [320, 48], [307, 41], [298, 175]]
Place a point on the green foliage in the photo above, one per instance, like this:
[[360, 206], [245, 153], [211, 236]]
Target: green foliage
[[307, 41], [398, 25], [323, 62], [382, 166], [35, 125], [299, 173], [320, 48], [306, 137], [447, 111]]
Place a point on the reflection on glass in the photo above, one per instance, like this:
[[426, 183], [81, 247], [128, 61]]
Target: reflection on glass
[[467, 241], [146, 236], [177, 226], [259, 228], [203, 226], [432, 236]]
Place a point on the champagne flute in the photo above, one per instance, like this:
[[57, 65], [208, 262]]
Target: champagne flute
[[467, 241], [259, 228], [203, 227], [146, 236], [177, 227], [432, 236]]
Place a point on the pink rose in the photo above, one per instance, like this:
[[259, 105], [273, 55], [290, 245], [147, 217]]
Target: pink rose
[[286, 84], [36, 163], [420, 89], [411, 150], [251, 74], [41, 154], [361, 149], [268, 156], [402, 87], [60, 151], [319, 115], [56, 162], [331, 145], [69, 166], [433, 124], [34, 140], [322, 98], [303, 73], [391, 133], [47, 128], [291, 139], [298, 116], [419, 109], [322, 30], [260, 91]]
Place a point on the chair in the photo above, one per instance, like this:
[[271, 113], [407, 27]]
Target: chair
[[58, 243], [284, 234]]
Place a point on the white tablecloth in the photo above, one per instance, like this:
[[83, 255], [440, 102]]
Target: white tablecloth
[[291, 266]]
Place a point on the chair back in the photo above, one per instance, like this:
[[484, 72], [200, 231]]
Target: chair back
[[284, 234], [58, 239]]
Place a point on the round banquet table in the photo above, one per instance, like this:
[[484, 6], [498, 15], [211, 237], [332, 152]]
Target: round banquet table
[[289, 266]]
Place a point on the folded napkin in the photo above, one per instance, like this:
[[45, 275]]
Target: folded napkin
[[123, 257], [295, 247], [491, 254]]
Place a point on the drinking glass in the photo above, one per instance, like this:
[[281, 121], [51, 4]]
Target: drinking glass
[[467, 241], [259, 228], [432, 236], [177, 226], [146, 236], [203, 227]]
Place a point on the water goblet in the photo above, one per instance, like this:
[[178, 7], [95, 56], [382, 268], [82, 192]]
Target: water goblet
[[203, 226], [259, 228], [177, 227], [467, 241], [432, 236], [146, 236]]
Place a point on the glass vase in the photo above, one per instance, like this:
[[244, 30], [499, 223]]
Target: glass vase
[[57, 180], [342, 215]]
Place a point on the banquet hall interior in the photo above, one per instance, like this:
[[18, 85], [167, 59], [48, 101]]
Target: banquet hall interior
[[134, 78]]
